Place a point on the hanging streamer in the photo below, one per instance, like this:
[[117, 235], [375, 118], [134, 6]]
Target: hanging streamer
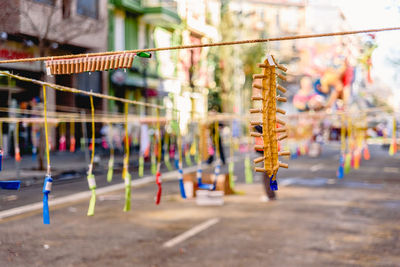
[[199, 173], [217, 169], [188, 159], [181, 185], [90, 177], [340, 171], [72, 140], [231, 161], [48, 181], [166, 152], [153, 157], [393, 144], [125, 173], [16, 138], [63, 139], [158, 173], [110, 171], [1, 145]]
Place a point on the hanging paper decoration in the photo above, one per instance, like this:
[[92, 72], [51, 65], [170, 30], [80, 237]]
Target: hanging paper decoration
[[144, 147], [90, 177], [217, 169], [110, 171], [92, 63], [340, 171], [153, 156], [72, 140], [231, 160], [16, 138], [180, 170], [158, 173], [48, 181], [1, 145], [393, 144], [199, 172], [166, 152], [63, 139], [125, 173], [187, 156], [269, 120]]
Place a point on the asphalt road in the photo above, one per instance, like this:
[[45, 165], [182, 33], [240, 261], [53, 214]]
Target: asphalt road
[[317, 220]]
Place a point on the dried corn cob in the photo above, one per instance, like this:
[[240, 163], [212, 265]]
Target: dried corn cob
[[266, 83]]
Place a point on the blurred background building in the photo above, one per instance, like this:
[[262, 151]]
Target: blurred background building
[[193, 81]]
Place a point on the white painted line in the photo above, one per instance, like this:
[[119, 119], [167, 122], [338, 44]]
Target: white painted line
[[390, 169], [191, 232], [317, 167], [173, 175]]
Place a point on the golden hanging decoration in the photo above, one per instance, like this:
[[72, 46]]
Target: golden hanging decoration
[[266, 83], [89, 64]]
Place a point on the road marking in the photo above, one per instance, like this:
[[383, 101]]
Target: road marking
[[390, 170], [191, 232], [173, 175], [317, 167]]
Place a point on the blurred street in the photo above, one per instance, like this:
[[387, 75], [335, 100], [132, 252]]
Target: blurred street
[[317, 220]]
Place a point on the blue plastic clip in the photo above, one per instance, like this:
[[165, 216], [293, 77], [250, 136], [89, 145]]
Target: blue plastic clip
[[48, 182], [273, 184], [10, 185]]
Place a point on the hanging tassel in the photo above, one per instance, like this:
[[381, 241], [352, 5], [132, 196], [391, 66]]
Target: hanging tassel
[[72, 141], [181, 186], [34, 153], [1, 159], [231, 174], [159, 184], [166, 152], [187, 157], [153, 163], [193, 150], [127, 179], [141, 166], [92, 186], [217, 172], [90, 178], [17, 152], [47, 185], [357, 158], [273, 184], [110, 171], [167, 161], [247, 170], [366, 153], [340, 171], [347, 163]]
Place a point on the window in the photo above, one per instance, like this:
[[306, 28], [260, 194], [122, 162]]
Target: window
[[66, 8], [49, 2], [88, 8]]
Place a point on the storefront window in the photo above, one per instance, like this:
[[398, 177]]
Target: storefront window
[[49, 2], [88, 8]]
